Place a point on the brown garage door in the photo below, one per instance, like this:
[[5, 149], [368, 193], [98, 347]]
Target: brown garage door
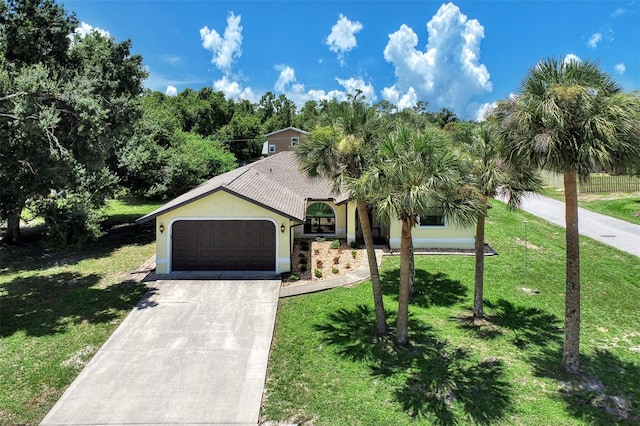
[[223, 245]]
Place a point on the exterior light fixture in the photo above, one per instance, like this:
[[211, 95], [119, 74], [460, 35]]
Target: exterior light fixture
[[282, 228], [161, 228]]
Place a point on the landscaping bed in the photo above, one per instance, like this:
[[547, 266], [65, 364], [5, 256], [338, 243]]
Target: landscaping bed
[[316, 259]]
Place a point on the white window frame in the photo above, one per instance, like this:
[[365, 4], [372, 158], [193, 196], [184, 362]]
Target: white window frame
[[272, 148], [295, 141]]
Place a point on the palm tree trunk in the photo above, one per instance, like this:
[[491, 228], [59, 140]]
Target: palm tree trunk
[[381, 320], [571, 351], [478, 295], [402, 332]]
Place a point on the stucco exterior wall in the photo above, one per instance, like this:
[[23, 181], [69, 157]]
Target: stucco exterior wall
[[434, 237], [221, 206]]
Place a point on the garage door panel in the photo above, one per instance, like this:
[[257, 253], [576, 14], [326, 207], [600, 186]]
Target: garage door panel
[[223, 245]]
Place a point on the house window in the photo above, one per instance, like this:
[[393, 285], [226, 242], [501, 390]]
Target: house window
[[321, 219], [295, 141], [432, 219], [272, 148]]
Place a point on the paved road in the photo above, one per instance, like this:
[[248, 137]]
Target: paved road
[[617, 233], [191, 352]]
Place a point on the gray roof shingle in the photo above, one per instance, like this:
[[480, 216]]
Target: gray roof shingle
[[275, 183]]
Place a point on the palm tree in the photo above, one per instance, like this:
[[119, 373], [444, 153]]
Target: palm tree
[[572, 118], [344, 151], [417, 173], [494, 175]]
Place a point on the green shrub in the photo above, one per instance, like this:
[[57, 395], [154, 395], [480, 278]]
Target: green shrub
[[70, 218], [317, 273], [294, 278], [335, 270], [335, 244], [354, 253], [354, 244], [348, 265], [321, 239]]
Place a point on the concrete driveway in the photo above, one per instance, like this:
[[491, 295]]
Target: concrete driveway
[[191, 352]]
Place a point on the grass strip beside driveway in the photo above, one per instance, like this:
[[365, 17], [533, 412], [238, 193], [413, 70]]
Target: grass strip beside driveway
[[57, 308]]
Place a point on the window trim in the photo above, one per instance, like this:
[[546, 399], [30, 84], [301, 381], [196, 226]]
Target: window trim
[[295, 141], [307, 228], [272, 148]]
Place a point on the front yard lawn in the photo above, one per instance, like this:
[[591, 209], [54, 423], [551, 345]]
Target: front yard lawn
[[327, 368], [57, 307]]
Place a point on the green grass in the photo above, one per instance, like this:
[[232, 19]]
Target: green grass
[[59, 307], [623, 206], [327, 368]]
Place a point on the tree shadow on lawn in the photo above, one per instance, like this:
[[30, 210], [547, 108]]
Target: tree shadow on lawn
[[605, 393], [46, 305], [527, 326], [430, 289], [35, 256], [439, 382]]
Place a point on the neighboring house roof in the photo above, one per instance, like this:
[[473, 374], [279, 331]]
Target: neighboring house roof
[[285, 129], [275, 183]]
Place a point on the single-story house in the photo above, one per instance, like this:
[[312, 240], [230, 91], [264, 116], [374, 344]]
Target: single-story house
[[248, 219], [283, 140]]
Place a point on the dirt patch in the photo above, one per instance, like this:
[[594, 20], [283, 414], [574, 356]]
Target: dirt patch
[[528, 244], [311, 255]]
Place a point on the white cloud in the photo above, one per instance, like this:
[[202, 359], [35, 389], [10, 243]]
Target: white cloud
[[233, 90], [594, 40], [484, 110], [571, 58], [621, 68], [85, 29], [619, 12], [225, 48], [400, 100], [171, 91], [343, 37], [286, 77], [449, 73], [350, 85]]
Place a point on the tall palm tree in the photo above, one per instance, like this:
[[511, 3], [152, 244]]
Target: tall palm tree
[[341, 151], [416, 173], [494, 174], [572, 118]]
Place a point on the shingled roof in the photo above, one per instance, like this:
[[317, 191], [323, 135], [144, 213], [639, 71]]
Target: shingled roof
[[275, 183]]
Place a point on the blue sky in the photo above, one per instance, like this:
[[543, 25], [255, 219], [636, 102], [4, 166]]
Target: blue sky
[[462, 55]]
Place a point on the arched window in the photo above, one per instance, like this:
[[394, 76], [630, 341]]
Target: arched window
[[321, 219]]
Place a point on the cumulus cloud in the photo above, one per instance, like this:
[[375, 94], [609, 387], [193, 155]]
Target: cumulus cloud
[[449, 73], [621, 68], [227, 47], [234, 90], [484, 110], [343, 37], [594, 40], [171, 91], [572, 58], [287, 77], [85, 29], [350, 86]]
